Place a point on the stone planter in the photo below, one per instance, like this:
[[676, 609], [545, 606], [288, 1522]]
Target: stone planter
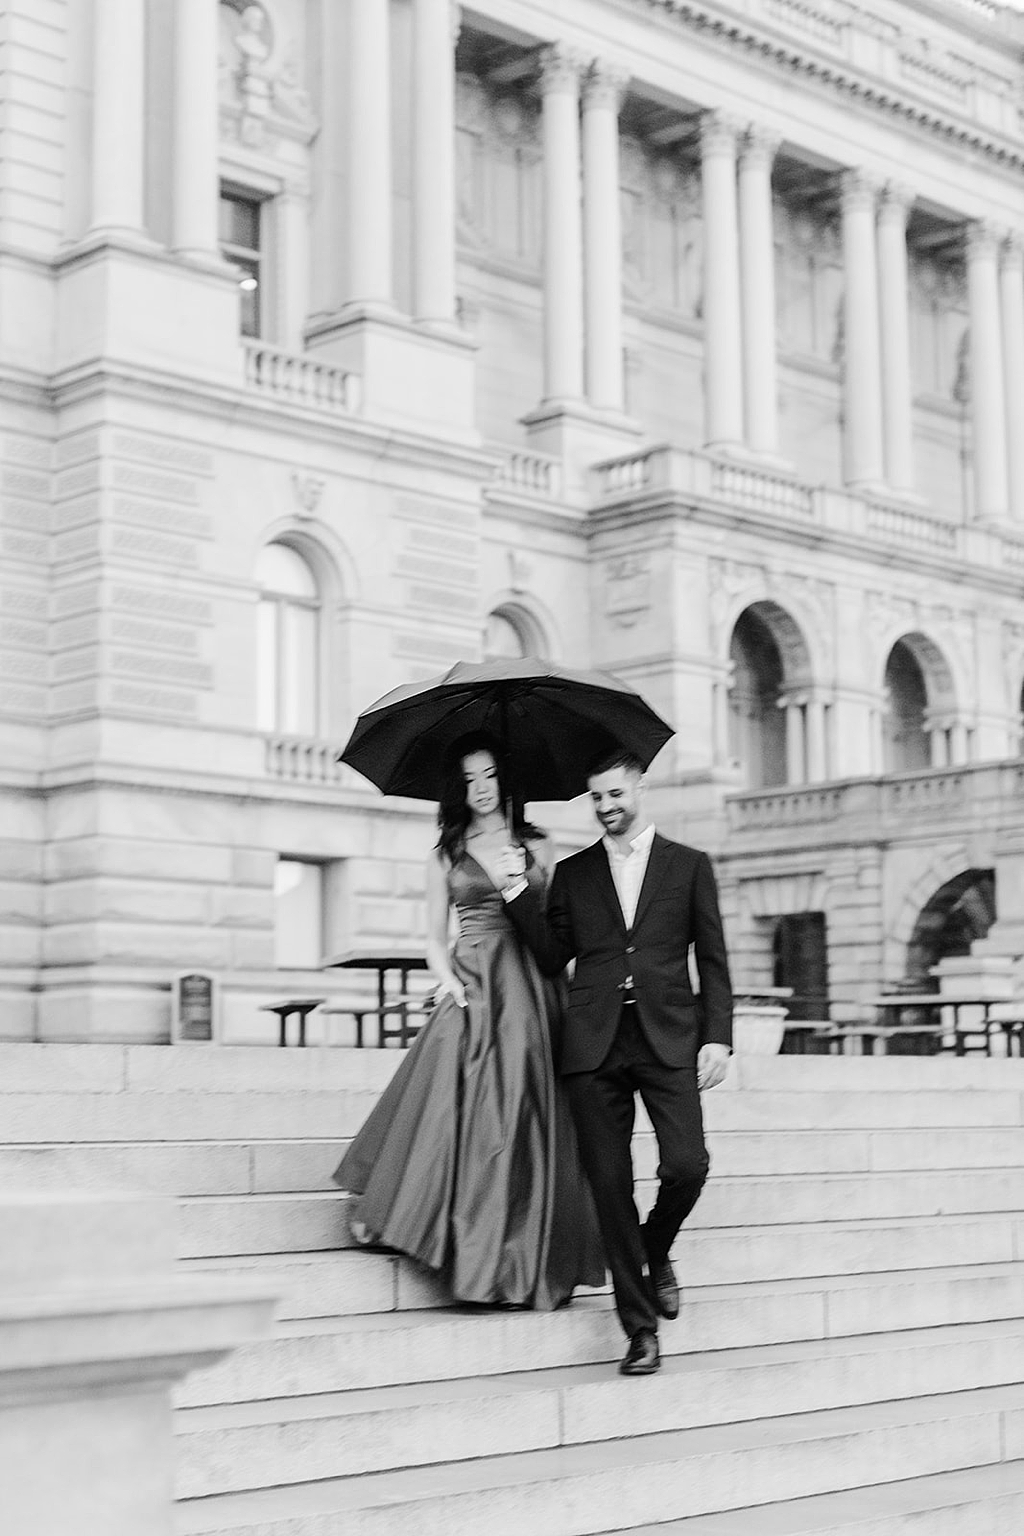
[[758, 1028]]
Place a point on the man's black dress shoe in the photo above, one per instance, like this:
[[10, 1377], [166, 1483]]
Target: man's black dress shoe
[[642, 1358], [666, 1288]]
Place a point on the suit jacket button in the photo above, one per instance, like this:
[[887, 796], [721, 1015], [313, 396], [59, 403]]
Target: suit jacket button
[[630, 949]]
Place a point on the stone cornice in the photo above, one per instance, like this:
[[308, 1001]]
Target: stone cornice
[[798, 59]]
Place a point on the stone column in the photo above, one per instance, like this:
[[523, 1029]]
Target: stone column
[[118, 116], [290, 211], [1012, 294], [603, 89], [958, 742], [894, 315], [563, 238], [988, 403], [796, 772], [368, 226], [862, 367], [196, 133], [937, 733], [817, 767], [757, 280], [435, 25], [723, 377]]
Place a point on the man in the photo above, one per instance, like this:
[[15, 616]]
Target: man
[[627, 909]]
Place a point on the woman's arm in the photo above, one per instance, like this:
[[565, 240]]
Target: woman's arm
[[438, 957]]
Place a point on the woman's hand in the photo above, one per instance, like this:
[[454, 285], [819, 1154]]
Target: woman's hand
[[511, 864], [451, 986]]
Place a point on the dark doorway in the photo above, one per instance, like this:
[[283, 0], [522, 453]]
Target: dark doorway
[[960, 912], [800, 961]]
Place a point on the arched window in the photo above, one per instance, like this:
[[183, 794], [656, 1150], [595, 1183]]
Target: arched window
[[288, 643], [757, 723], [906, 742], [504, 639]]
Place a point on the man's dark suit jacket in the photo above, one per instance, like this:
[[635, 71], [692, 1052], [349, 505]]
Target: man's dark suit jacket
[[678, 906]]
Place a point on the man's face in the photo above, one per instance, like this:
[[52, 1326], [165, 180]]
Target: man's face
[[617, 798]]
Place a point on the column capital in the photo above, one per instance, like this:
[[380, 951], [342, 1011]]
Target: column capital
[[1012, 252], [719, 133], [759, 146], [604, 84], [561, 67], [858, 189], [895, 202], [982, 238]]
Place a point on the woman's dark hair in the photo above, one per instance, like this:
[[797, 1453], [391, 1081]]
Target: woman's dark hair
[[453, 813]]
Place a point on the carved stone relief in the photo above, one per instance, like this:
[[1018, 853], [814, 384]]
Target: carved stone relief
[[662, 230], [262, 91], [498, 171]]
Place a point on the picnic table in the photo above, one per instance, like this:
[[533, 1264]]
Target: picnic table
[[394, 1000], [945, 1027]]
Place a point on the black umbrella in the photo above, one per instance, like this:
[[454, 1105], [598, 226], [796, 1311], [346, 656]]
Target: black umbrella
[[552, 724]]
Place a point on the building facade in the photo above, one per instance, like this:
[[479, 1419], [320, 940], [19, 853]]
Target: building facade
[[342, 339]]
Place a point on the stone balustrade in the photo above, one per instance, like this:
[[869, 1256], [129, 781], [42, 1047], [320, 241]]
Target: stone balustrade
[[299, 379], [956, 798], [529, 473], [739, 487], [305, 760]]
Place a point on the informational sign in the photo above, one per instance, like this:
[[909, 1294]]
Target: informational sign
[[194, 1009]]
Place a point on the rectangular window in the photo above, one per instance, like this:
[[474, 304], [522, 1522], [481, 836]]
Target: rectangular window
[[298, 914], [241, 243]]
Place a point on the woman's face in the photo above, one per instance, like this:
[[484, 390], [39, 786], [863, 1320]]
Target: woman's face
[[483, 792]]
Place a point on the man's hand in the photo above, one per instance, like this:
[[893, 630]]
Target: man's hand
[[511, 864], [712, 1064]]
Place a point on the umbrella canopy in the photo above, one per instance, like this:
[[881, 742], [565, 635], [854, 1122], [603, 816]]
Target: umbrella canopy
[[551, 722]]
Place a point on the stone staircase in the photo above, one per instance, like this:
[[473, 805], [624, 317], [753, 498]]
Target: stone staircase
[[849, 1359]]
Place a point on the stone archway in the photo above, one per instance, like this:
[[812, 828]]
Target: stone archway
[[920, 692], [770, 661], [953, 918]]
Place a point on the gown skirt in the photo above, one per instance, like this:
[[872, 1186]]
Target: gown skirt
[[468, 1162]]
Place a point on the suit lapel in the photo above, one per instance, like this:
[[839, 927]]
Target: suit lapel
[[656, 865], [605, 884]]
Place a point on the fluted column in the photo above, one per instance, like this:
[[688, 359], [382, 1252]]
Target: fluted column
[[435, 26], [196, 132], [894, 315], [603, 89], [862, 359], [757, 283], [723, 379], [368, 225], [118, 116], [1011, 280], [563, 240], [988, 402]]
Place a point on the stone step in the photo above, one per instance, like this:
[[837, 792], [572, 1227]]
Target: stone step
[[107, 1068], [983, 1501], [307, 1164], [238, 1114], [579, 1490], [336, 1354], [263, 1444], [304, 1220]]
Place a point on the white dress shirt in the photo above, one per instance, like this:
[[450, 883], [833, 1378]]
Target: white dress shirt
[[628, 869]]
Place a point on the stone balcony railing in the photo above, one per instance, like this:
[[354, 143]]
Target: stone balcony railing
[[955, 798], [528, 473], [733, 486], [306, 760], [299, 379]]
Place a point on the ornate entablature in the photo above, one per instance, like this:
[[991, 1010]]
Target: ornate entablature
[[874, 56], [262, 95], [498, 172]]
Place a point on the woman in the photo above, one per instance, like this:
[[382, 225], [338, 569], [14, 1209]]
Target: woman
[[468, 1162]]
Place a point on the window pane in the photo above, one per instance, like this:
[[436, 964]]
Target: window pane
[[298, 665], [266, 666], [298, 914], [502, 639], [281, 569], [240, 222], [249, 284]]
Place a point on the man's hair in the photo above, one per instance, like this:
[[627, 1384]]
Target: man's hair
[[617, 757]]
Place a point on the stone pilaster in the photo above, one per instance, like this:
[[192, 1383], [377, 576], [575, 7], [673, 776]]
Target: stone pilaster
[[368, 226], [118, 117], [988, 401], [195, 134], [894, 316], [1011, 284], [433, 161], [563, 239], [603, 89], [757, 281]]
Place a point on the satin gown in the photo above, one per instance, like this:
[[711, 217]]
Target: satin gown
[[468, 1162]]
